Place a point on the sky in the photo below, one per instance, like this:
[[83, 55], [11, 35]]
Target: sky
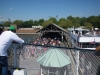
[[44, 9]]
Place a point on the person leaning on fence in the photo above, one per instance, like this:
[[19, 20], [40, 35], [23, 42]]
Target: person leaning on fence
[[6, 38]]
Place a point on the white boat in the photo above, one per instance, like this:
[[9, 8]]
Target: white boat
[[83, 38]]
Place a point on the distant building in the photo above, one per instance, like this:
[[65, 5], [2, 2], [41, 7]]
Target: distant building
[[9, 20], [37, 27]]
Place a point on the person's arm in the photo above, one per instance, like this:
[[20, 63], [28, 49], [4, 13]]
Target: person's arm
[[17, 39]]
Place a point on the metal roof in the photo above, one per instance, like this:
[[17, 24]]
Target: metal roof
[[48, 26], [54, 57]]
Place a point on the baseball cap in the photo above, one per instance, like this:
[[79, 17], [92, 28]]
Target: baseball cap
[[12, 28]]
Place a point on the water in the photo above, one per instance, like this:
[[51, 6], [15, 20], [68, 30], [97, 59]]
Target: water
[[28, 38]]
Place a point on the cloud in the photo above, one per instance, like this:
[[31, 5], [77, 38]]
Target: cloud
[[6, 19], [12, 19], [3, 19], [11, 8], [80, 14]]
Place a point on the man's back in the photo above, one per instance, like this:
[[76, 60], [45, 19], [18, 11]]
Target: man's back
[[6, 38]]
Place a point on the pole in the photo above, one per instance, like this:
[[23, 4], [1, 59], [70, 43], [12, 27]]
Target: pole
[[77, 62], [15, 56], [62, 37]]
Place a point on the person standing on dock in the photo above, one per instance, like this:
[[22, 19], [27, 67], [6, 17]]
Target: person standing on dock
[[6, 38]]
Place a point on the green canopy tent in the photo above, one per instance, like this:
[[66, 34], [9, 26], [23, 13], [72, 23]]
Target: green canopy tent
[[54, 58]]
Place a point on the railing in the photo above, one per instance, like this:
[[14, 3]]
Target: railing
[[87, 61], [90, 46]]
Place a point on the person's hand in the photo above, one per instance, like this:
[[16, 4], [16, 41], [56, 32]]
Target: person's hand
[[98, 48], [15, 42], [21, 37]]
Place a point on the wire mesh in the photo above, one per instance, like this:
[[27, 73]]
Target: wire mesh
[[89, 60]]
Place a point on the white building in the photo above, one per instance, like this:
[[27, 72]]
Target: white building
[[37, 27]]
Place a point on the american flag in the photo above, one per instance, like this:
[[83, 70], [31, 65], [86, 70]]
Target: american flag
[[57, 16]]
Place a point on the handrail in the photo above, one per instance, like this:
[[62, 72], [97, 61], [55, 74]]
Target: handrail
[[56, 46], [80, 49]]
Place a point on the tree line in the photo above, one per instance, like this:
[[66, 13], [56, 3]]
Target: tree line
[[88, 22]]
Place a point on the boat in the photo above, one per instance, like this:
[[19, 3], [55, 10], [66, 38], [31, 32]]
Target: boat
[[83, 38]]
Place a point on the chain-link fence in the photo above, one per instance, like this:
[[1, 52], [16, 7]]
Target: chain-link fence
[[85, 62]]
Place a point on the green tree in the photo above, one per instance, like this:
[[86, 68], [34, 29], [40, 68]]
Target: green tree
[[75, 20], [35, 23], [83, 20], [25, 24], [41, 21], [69, 24], [18, 22], [46, 22], [53, 20], [88, 25], [98, 25], [69, 18], [62, 24], [61, 19], [30, 23], [94, 20], [1, 25], [7, 23], [65, 24]]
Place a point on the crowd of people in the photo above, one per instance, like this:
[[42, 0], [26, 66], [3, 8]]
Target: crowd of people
[[35, 51], [47, 41]]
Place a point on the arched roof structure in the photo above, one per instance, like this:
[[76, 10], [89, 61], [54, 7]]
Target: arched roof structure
[[52, 31]]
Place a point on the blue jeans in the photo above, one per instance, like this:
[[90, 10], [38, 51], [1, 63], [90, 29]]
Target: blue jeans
[[4, 64]]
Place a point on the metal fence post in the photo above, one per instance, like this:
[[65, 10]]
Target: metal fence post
[[15, 56]]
